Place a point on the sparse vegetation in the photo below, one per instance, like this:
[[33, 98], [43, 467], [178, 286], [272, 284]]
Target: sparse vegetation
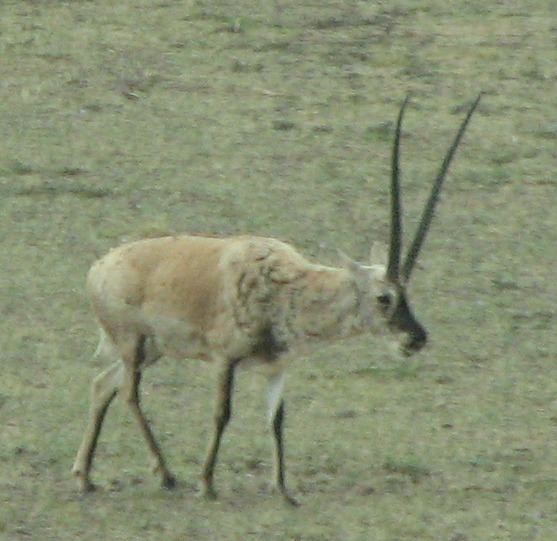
[[131, 119]]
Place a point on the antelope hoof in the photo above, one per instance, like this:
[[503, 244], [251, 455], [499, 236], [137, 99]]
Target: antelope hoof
[[86, 486], [208, 493], [288, 499], [169, 482]]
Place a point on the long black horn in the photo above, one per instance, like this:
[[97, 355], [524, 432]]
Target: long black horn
[[429, 209], [395, 246]]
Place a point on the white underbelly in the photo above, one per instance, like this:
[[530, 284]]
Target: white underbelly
[[175, 338]]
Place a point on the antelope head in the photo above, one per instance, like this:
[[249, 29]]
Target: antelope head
[[389, 281]]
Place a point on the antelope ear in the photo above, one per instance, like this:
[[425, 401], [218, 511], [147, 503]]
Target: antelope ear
[[348, 263], [378, 254]]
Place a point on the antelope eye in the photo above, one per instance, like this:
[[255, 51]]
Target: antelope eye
[[384, 300]]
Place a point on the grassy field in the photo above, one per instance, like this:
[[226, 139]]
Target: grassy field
[[139, 118]]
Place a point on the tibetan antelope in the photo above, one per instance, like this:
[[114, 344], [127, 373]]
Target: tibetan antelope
[[241, 299]]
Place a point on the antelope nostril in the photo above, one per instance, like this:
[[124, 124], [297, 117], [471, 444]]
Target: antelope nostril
[[421, 338], [419, 343]]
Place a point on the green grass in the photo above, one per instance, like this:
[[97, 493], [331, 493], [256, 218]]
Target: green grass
[[119, 121]]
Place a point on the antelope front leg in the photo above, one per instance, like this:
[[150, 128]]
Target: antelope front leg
[[276, 418]]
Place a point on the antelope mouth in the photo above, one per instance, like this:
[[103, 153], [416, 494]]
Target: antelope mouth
[[414, 344]]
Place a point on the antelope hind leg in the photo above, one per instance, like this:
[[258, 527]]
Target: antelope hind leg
[[103, 390]]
